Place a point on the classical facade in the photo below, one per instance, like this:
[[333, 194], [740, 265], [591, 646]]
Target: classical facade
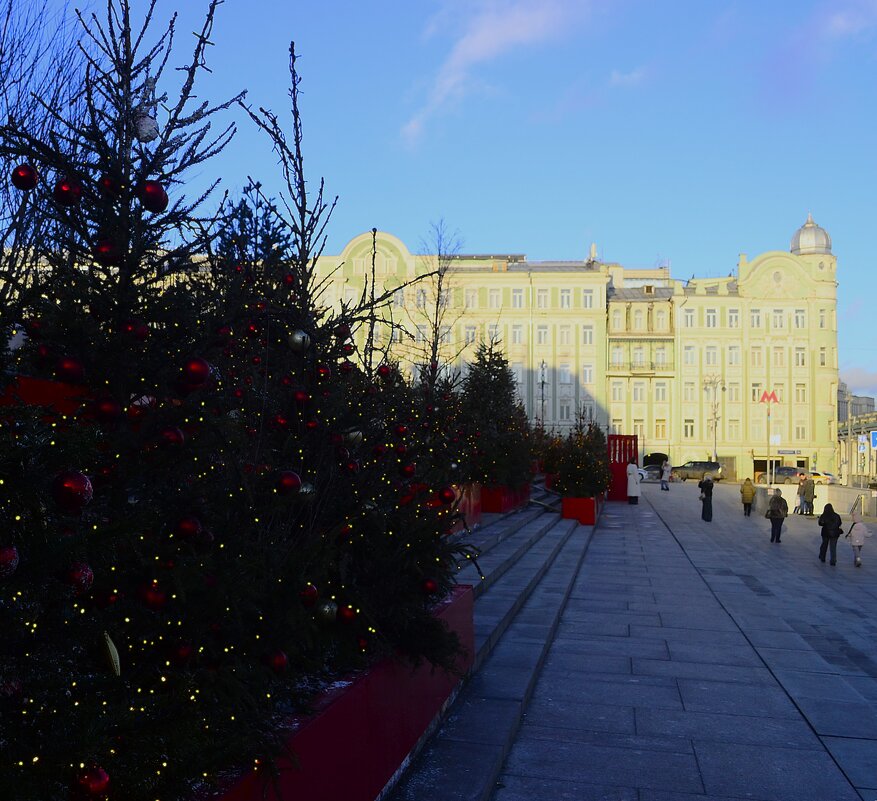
[[742, 367]]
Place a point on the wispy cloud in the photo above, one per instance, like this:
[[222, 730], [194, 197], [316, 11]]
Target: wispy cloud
[[860, 381], [489, 30], [633, 78]]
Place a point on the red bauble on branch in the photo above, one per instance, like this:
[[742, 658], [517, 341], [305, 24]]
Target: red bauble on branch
[[72, 490], [288, 482], [106, 253], [136, 329], [110, 187], [309, 596], [196, 372], [8, 560], [407, 470], [153, 596], [70, 370], [80, 576], [384, 371], [188, 527], [67, 192], [153, 196], [171, 437], [346, 614], [447, 495], [278, 661], [94, 780], [25, 177], [429, 586]]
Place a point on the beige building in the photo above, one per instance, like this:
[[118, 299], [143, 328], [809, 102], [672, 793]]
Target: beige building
[[687, 366]]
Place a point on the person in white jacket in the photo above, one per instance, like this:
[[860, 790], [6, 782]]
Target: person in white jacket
[[857, 534]]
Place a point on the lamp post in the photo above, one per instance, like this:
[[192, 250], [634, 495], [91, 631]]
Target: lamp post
[[542, 369], [715, 382]]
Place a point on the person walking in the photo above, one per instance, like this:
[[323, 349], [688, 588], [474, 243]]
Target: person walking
[[633, 490], [831, 530], [808, 496], [857, 534], [777, 512], [799, 501], [747, 495], [706, 498], [665, 475]]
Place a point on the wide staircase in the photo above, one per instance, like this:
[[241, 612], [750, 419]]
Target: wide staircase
[[529, 560]]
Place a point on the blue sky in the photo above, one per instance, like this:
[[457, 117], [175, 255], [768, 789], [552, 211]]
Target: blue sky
[[687, 131]]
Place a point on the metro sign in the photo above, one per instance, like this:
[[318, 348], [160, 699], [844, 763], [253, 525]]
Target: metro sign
[[769, 397]]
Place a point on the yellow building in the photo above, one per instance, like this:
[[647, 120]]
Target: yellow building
[[684, 365]]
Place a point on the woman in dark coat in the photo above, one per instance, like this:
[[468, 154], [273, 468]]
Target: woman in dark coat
[[777, 512], [706, 498], [831, 530]]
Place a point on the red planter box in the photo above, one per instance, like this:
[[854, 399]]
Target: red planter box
[[469, 506], [585, 510], [503, 499], [63, 398], [550, 478], [363, 732]]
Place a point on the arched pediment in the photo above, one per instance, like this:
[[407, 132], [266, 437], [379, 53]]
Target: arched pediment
[[361, 247], [776, 274]]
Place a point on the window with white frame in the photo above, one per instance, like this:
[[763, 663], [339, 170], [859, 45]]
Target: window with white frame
[[420, 298], [587, 298], [639, 429], [688, 428], [734, 356], [565, 334], [445, 334], [823, 360], [563, 411], [470, 299], [779, 357], [517, 334], [493, 332], [800, 318], [617, 425], [638, 320], [688, 318], [800, 431], [493, 298], [779, 319], [469, 334], [350, 295], [564, 375], [588, 410], [800, 357], [542, 335], [756, 429], [660, 428], [661, 320], [395, 335], [822, 318], [712, 318], [733, 429], [420, 336], [639, 356], [733, 318], [616, 320], [617, 356], [565, 298], [734, 393], [780, 390], [712, 356], [444, 298], [755, 318], [541, 298], [800, 393], [518, 372], [660, 356], [617, 390], [755, 392], [639, 391], [399, 299], [587, 335], [756, 357], [689, 355], [688, 391], [660, 392], [517, 298], [587, 374]]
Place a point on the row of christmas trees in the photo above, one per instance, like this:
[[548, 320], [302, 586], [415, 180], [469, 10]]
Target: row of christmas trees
[[234, 501]]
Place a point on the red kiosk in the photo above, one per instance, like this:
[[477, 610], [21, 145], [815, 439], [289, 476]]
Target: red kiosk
[[622, 448]]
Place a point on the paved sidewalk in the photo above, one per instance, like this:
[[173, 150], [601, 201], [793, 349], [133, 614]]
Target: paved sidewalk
[[699, 661]]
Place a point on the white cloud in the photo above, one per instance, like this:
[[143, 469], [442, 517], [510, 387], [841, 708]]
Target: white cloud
[[860, 381], [632, 78], [490, 29]]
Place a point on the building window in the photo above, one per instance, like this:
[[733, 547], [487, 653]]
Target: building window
[[733, 393], [493, 298], [564, 374], [587, 298], [563, 411], [660, 429], [517, 298], [779, 357], [800, 357], [689, 318], [688, 391], [639, 391], [587, 335], [733, 429], [638, 320], [712, 318], [661, 320], [733, 318], [822, 318], [755, 318], [469, 334], [517, 334], [518, 371], [756, 430], [565, 335], [800, 431], [800, 393], [542, 335], [617, 356], [689, 355], [565, 298], [617, 426], [617, 390], [445, 298], [779, 319], [755, 357], [734, 356], [350, 295], [712, 356], [660, 392], [470, 299], [822, 357], [493, 332], [616, 320], [780, 390], [445, 334], [395, 335], [638, 357], [420, 336], [639, 429], [399, 299], [587, 373], [688, 428], [541, 298], [660, 356], [756, 392], [420, 299], [800, 318]]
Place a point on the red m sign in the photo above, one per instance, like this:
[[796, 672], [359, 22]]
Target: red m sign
[[769, 397]]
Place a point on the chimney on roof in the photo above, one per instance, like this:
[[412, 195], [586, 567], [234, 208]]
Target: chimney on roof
[[592, 255]]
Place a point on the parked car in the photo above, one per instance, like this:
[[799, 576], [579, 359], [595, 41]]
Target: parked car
[[697, 470], [781, 475], [651, 472], [821, 477]]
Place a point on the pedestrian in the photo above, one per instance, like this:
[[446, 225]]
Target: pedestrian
[[665, 475], [777, 512], [799, 500], [809, 495], [633, 490], [857, 534], [831, 530], [706, 498], [747, 495]]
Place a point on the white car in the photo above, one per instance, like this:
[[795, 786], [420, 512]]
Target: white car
[[821, 477]]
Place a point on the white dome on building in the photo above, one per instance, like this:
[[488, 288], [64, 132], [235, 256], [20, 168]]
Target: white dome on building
[[810, 238]]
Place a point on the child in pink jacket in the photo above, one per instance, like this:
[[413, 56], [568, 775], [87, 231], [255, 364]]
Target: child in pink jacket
[[856, 535]]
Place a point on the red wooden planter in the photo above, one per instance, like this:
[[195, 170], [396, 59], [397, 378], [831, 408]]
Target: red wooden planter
[[63, 398], [363, 732], [469, 506], [585, 510], [503, 499]]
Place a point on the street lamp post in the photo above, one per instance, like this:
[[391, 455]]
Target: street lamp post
[[715, 382], [542, 370]]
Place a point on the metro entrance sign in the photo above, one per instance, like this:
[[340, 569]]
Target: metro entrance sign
[[874, 440], [767, 398]]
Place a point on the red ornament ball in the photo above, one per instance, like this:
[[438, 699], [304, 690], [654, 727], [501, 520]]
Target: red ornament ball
[[153, 596], [171, 437], [107, 410], [351, 466], [70, 370], [301, 397], [347, 348], [401, 429], [447, 495], [136, 329], [407, 470], [25, 177], [346, 614], [342, 331], [106, 253], [8, 560], [288, 482], [309, 595], [429, 586], [80, 576], [153, 196], [67, 192], [346, 367], [312, 425], [109, 186], [384, 371], [196, 372], [278, 661], [379, 450], [183, 653], [188, 527], [323, 372], [72, 490], [94, 780]]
